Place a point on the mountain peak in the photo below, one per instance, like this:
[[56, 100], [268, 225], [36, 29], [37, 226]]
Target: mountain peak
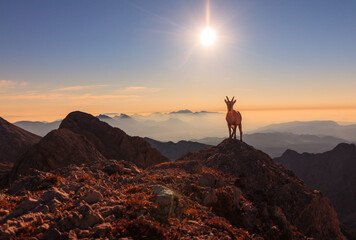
[[184, 111], [124, 116], [112, 142], [103, 116], [344, 147], [266, 183], [58, 148]]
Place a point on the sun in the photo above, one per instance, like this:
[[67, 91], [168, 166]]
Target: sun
[[208, 36]]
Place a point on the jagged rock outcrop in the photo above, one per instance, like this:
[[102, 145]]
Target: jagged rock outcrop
[[14, 141], [281, 204], [59, 148], [332, 172], [113, 143]]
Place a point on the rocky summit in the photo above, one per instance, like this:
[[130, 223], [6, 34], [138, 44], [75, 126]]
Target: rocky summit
[[230, 191], [112, 143]]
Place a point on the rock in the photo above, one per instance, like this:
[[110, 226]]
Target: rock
[[210, 198], [210, 180], [52, 234], [100, 228], [3, 212], [112, 166], [54, 204], [82, 233], [43, 228], [54, 193], [167, 202], [27, 204], [41, 208], [90, 217], [92, 196]]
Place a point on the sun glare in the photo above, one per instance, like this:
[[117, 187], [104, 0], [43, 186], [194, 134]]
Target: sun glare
[[208, 36]]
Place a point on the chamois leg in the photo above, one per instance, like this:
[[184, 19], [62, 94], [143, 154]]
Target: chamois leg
[[240, 128], [234, 132], [228, 126]]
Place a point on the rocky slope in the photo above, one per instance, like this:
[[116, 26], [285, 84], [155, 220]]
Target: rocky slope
[[280, 202], [112, 143], [14, 141], [109, 200], [230, 191], [173, 150], [332, 172]]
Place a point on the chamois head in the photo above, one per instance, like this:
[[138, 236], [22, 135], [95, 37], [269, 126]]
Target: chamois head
[[229, 103]]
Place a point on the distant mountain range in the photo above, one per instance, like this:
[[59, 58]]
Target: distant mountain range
[[175, 150], [313, 136], [38, 128], [325, 128], [173, 126], [333, 172]]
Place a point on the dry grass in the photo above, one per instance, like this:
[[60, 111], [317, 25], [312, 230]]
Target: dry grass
[[192, 213], [139, 229], [221, 225], [10, 203], [67, 207], [86, 178]]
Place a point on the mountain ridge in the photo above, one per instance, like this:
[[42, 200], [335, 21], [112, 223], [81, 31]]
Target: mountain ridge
[[333, 172], [14, 141]]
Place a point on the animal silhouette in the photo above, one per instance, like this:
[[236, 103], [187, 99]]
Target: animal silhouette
[[233, 118]]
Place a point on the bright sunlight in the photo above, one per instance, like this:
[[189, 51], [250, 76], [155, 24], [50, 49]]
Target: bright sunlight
[[208, 36]]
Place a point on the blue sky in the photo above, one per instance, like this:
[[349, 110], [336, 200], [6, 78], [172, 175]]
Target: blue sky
[[270, 54]]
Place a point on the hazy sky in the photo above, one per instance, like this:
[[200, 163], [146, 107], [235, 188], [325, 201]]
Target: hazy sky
[[295, 60]]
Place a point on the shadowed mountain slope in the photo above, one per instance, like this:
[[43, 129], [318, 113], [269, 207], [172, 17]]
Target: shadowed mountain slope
[[14, 141], [333, 172], [113, 143], [59, 148], [273, 192], [175, 150]]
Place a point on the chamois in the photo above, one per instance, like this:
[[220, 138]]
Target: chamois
[[233, 118]]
